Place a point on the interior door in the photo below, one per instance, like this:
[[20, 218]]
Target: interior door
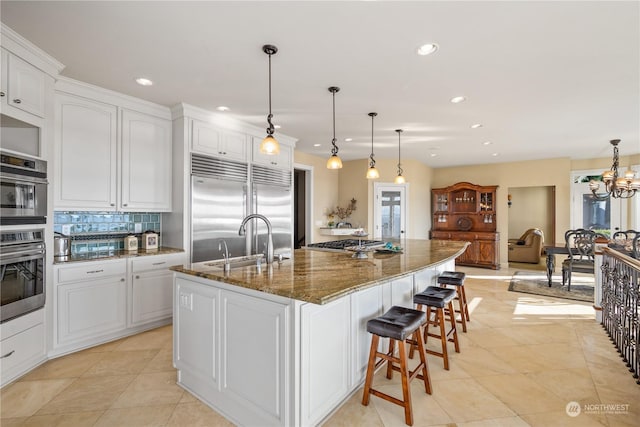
[[390, 211]]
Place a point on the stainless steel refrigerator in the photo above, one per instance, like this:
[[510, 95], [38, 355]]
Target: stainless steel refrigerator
[[223, 192]]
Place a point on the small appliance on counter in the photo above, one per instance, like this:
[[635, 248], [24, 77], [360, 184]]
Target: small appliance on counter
[[149, 240], [61, 246], [131, 243]]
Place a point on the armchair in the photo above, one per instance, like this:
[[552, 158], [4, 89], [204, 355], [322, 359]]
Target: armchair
[[528, 247]]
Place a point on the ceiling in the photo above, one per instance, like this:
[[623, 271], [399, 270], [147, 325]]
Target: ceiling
[[545, 79]]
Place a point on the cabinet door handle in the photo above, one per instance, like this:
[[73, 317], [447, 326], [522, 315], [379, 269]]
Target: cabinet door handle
[[137, 276], [94, 271], [159, 263], [8, 354], [112, 204], [17, 100], [2, 94], [122, 280]]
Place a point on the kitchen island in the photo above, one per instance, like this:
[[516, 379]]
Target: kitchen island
[[286, 343]]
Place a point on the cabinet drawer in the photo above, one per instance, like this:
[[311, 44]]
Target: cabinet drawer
[[156, 262], [21, 348], [92, 270]]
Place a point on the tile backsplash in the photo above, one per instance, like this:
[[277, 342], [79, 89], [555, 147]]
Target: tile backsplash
[[103, 231]]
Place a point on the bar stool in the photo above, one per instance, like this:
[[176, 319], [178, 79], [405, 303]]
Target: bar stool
[[437, 299], [397, 324], [456, 278]]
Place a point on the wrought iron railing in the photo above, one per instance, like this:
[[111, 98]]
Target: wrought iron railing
[[620, 305]]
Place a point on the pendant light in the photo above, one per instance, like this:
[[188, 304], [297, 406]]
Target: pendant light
[[269, 144], [372, 173], [399, 179], [334, 161]]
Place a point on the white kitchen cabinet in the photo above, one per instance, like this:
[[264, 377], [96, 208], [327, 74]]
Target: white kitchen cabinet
[[325, 366], [22, 345], [23, 85], [196, 335], [90, 301], [146, 162], [110, 163], [209, 139], [86, 153], [151, 295], [283, 160], [365, 305]]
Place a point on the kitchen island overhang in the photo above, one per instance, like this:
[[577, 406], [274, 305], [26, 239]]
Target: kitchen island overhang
[[286, 344]]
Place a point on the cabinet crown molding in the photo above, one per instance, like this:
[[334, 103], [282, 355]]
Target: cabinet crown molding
[[18, 45], [225, 122], [107, 96]]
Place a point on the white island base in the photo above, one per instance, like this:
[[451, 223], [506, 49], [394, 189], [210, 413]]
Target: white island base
[[261, 359]]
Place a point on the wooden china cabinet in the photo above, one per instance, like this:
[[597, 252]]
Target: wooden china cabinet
[[466, 212]]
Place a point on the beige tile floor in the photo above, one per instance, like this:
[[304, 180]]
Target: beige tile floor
[[523, 359]]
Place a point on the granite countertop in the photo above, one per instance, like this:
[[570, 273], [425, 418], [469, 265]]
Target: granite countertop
[[115, 254], [320, 277]]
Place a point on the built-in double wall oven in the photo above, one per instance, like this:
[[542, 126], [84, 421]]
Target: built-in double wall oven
[[22, 272], [23, 190], [23, 206]]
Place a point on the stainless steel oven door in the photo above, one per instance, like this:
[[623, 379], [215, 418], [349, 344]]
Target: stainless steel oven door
[[22, 279], [23, 199]]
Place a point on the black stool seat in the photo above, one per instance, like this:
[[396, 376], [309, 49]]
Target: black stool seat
[[397, 323], [451, 278], [435, 297]]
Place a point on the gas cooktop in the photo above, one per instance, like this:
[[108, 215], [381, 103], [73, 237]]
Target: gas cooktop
[[340, 245]]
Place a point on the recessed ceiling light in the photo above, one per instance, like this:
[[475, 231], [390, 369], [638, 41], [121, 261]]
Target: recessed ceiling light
[[433, 154], [348, 139], [277, 126], [316, 145], [427, 49], [486, 143], [143, 82], [223, 108], [458, 99], [495, 154], [476, 126]]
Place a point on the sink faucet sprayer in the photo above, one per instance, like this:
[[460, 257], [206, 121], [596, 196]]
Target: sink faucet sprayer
[[243, 231], [227, 266]]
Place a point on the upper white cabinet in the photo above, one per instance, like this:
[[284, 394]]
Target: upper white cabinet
[[23, 85], [208, 139], [86, 152], [282, 160], [146, 162], [109, 157]]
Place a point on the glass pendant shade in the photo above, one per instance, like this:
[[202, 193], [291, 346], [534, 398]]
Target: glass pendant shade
[[269, 145], [399, 180], [334, 162], [372, 173]]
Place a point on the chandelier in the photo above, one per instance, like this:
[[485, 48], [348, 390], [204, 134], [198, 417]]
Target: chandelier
[[616, 186]]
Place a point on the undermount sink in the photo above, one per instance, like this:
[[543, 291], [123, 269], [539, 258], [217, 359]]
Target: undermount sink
[[235, 262]]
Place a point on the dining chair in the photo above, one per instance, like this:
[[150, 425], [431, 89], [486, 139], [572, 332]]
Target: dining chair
[[580, 245]]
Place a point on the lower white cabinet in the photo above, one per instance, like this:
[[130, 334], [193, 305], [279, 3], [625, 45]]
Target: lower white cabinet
[[151, 294], [22, 345], [92, 303], [95, 302]]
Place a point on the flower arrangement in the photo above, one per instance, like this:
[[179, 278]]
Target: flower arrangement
[[346, 212]]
